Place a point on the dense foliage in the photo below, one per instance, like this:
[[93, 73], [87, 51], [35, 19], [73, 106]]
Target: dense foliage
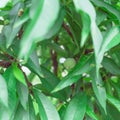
[[60, 60]]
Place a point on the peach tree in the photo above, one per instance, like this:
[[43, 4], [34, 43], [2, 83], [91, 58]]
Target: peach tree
[[59, 60]]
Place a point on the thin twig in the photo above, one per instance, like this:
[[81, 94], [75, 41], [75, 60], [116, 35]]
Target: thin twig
[[54, 58], [5, 64], [20, 33], [67, 28], [27, 81]]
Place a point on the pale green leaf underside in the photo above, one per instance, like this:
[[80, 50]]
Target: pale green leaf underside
[[76, 108], [87, 7], [46, 108], [41, 22], [98, 88], [3, 91], [114, 101]]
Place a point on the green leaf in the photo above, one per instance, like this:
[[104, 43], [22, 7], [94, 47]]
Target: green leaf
[[108, 7], [11, 83], [113, 113], [109, 39], [43, 16], [3, 91], [84, 65], [58, 23], [4, 113], [91, 113], [76, 108], [62, 111], [116, 87], [115, 41], [86, 28], [22, 114], [85, 20], [99, 89], [87, 7], [46, 109], [74, 21], [101, 16], [114, 101], [109, 36], [33, 64], [2, 42], [110, 66], [23, 92], [18, 74], [9, 29], [50, 81], [31, 109], [25, 17]]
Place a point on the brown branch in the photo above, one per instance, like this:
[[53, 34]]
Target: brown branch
[[67, 28], [87, 51], [20, 33], [8, 56], [54, 59], [27, 81], [5, 64]]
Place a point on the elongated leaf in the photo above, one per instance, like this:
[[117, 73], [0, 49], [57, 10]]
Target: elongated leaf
[[87, 7], [18, 74], [91, 113], [22, 114], [49, 83], [84, 65], [46, 109], [23, 94], [107, 7], [31, 110], [43, 17], [62, 111], [85, 20], [80, 5], [115, 41], [113, 113], [3, 91], [75, 27], [22, 19], [9, 29], [116, 87], [4, 113], [111, 66], [109, 39], [33, 63], [114, 101], [86, 28], [101, 16], [109, 36], [98, 88], [58, 23], [76, 108], [2, 42], [11, 83]]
